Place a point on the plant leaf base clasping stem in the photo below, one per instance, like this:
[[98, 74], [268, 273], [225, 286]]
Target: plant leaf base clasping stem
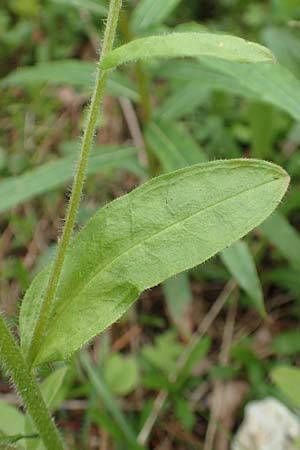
[[101, 79], [28, 388]]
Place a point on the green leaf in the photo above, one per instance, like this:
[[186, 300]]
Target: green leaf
[[187, 45], [239, 261], [51, 387], [175, 149], [168, 225], [16, 190], [109, 402], [284, 237], [120, 374], [12, 421], [197, 353], [179, 297], [271, 83], [184, 101], [266, 82], [264, 128], [285, 46], [288, 381], [79, 74], [164, 353], [201, 76], [97, 7], [287, 344], [184, 413], [149, 12], [173, 145]]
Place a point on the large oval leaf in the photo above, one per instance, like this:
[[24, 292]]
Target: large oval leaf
[[170, 224], [187, 44]]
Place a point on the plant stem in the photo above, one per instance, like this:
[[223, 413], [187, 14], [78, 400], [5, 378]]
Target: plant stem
[[28, 388], [101, 79]]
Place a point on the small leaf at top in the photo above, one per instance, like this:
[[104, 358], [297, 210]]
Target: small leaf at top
[[193, 44]]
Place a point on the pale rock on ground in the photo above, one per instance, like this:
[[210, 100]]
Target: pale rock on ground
[[268, 425]]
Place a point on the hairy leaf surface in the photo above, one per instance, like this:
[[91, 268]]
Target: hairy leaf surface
[[168, 225], [175, 149], [187, 44]]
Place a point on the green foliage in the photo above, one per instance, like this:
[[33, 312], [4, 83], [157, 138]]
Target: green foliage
[[233, 100], [150, 12], [187, 44], [15, 424], [239, 260], [163, 355], [54, 174], [288, 381], [141, 236], [267, 82], [287, 344], [72, 72], [280, 233], [177, 291], [174, 147], [120, 374], [12, 420]]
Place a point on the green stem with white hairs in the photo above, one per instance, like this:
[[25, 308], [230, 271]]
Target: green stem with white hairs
[[101, 79], [13, 361]]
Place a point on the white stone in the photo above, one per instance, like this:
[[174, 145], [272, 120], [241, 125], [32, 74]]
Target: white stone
[[268, 425]]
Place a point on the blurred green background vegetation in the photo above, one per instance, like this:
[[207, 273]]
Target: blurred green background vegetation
[[132, 373]]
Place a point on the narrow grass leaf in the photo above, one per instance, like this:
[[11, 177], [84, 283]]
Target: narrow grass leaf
[[50, 176], [187, 45], [150, 12], [79, 74], [239, 260], [185, 100], [110, 404], [179, 297], [96, 7], [173, 145], [284, 237]]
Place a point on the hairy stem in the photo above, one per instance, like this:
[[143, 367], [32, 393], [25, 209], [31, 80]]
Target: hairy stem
[[101, 79], [12, 360]]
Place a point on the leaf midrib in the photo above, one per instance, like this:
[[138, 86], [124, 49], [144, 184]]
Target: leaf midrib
[[66, 305]]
